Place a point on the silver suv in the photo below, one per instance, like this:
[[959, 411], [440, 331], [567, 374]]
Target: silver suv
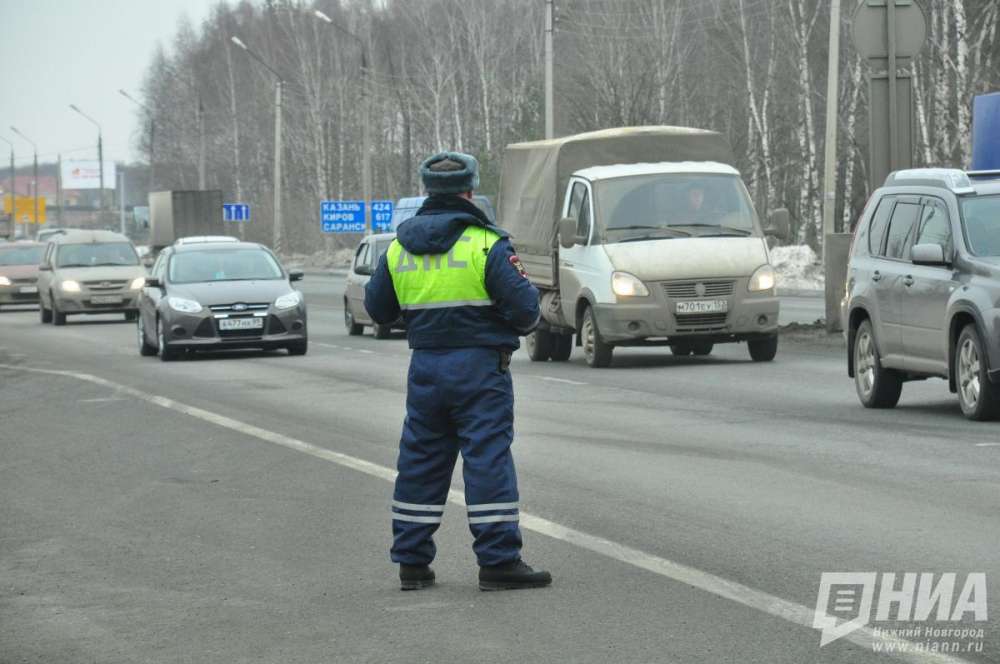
[[923, 289]]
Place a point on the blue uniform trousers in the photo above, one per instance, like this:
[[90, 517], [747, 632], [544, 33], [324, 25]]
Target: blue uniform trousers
[[457, 400]]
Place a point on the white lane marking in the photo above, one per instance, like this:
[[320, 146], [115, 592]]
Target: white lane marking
[[987, 444], [102, 399], [320, 343], [736, 592], [561, 380], [367, 352]]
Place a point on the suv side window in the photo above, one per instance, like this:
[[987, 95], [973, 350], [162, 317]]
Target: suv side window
[[935, 228], [904, 218], [880, 219]]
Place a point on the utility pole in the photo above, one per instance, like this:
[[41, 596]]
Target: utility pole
[[830, 148], [366, 139], [277, 140], [34, 176], [121, 201], [11, 192], [100, 155], [201, 141], [549, 94], [59, 187]]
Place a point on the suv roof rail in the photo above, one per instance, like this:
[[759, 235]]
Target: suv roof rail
[[202, 239], [953, 179], [985, 174]]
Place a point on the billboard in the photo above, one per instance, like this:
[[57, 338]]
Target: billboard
[[86, 174]]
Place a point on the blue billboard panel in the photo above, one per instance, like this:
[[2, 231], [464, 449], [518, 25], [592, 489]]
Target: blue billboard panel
[[381, 216], [986, 132], [342, 216]]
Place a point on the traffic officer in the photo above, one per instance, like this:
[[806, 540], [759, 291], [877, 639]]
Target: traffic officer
[[465, 297]]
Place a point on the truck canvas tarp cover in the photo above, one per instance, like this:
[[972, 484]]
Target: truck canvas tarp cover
[[535, 174]]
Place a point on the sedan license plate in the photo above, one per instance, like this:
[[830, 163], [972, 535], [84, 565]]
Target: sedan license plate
[[105, 299], [703, 307], [241, 324], [28, 290]]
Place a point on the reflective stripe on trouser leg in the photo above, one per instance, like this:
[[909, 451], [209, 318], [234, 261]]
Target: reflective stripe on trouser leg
[[485, 423], [427, 455]]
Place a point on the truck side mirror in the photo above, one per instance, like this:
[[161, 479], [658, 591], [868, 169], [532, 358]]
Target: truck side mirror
[[928, 254], [567, 232], [779, 224]]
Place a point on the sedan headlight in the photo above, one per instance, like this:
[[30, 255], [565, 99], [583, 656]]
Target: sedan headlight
[[137, 283], [183, 305], [70, 286], [288, 301], [627, 285], [763, 279], [4, 281]]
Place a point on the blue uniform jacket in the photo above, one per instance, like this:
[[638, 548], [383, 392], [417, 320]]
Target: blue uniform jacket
[[435, 228]]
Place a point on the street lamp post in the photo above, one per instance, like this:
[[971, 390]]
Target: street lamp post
[[11, 193], [152, 136], [34, 174], [100, 153], [277, 141], [366, 163]]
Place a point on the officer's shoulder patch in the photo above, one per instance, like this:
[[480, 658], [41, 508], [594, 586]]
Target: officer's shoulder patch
[[518, 265]]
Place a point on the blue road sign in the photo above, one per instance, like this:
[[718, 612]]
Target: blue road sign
[[342, 216], [235, 212], [381, 216]]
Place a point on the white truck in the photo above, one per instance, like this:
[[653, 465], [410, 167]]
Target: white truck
[[640, 236]]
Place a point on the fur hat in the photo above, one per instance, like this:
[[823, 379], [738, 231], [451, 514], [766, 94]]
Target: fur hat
[[450, 173]]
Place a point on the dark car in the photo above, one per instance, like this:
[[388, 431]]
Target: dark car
[[923, 287], [220, 293], [19, 272]]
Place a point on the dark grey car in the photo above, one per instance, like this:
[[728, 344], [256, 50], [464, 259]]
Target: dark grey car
[[923, 289], [218, 294]]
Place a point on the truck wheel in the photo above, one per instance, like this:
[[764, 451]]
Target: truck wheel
[[596, 351], [539, 345], [681, 350], [761, 350], [976, 394], [44, 315], [354, 329], [562, 347], [382, 331], [877, 387]]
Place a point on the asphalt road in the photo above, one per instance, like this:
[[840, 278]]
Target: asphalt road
[[235, 507]]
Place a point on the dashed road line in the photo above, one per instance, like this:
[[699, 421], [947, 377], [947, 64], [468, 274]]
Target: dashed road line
[[738, 593], [561, 380]]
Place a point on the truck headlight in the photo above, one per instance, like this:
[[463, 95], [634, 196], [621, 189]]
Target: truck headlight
[[763, 279], [70, 286], [183, 305], [137, 283], [288, 300], [4, 281], [627, 285]]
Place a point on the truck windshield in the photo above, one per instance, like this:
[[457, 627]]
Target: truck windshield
[[188, 267], [674, 205], [981, 218], [92, 254]]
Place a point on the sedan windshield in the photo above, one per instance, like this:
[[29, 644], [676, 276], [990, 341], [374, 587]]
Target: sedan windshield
[[674, 205], [16, 255], [94, 254], [981, 217], [223, 264]]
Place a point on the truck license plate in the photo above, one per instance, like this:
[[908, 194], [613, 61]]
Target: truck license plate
[[105, 299], [241, 323], [703, 307]]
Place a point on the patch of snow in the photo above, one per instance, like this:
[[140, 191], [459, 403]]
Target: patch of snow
[[798, 267]]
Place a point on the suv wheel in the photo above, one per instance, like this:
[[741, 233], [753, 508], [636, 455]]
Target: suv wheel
[[597, 352], [539, 345], [877, 387], [353, 328], [976, 393]]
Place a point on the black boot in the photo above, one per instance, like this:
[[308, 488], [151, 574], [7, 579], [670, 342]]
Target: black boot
[[415, 577], [512, 576]]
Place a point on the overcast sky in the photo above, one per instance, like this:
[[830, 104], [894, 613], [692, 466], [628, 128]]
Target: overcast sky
[[59, 52]]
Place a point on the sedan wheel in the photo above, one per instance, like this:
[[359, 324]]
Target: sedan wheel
[[166, 354], [353, 328]]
